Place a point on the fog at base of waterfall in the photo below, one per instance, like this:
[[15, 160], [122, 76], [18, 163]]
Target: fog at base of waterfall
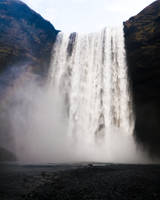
[[40, 133], [84, 111]]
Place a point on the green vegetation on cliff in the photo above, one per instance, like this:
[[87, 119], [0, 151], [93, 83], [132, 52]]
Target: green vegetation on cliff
[[24, 36]]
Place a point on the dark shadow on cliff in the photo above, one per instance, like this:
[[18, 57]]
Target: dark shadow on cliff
[[142, 34]]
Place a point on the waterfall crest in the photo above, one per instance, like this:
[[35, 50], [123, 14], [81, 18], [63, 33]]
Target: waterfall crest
[[90, 72]]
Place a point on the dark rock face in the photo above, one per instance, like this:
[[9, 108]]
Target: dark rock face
[[24, 36], [72, 39], [142, 34], [5, 155]]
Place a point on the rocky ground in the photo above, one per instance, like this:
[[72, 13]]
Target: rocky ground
[[93, 182]]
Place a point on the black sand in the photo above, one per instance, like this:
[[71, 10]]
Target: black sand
[[68, 182]]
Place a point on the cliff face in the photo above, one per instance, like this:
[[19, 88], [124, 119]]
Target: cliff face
[[26, 41], [24, 36], [142, 34]]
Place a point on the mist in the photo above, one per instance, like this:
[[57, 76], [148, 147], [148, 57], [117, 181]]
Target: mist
[[40, 129]]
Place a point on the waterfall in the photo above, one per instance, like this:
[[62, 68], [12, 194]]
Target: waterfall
[[84, 112], [90, 72]]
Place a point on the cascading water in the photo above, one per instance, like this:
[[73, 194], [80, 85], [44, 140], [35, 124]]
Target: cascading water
[[90, 72], [85, 112]]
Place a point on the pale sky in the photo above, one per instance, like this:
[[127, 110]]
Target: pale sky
[[86, 15]]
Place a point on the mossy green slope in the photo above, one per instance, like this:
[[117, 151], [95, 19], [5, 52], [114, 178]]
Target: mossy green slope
[[24, 36]]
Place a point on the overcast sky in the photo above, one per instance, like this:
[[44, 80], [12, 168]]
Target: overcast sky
[[86, 15]]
